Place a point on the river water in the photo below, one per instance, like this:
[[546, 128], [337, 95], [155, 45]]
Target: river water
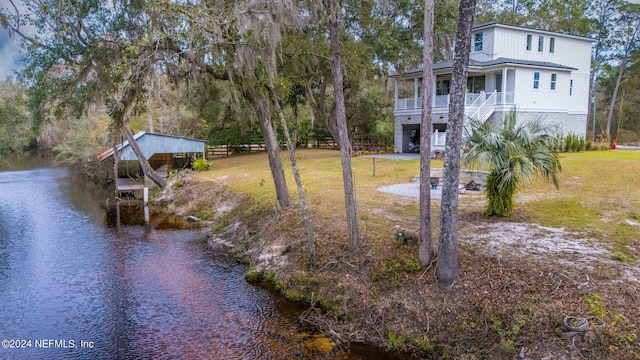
[[80, 280]]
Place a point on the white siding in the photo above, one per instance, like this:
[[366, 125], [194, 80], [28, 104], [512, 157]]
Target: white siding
[[487, 52], [579, 100], [542, 99], [569, 51]]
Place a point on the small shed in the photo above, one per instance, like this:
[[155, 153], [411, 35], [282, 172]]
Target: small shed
[[157, 145], [164, 152]]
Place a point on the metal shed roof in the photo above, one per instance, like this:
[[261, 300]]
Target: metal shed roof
[[151, 143]]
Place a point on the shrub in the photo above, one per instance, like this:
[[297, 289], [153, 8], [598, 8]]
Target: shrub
[[570, 143], [507, 335], [392, 270], [575, 143], [201, 165]]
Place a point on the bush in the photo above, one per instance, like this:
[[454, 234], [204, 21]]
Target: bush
[[570, 143], [201, 165], [574, 143]]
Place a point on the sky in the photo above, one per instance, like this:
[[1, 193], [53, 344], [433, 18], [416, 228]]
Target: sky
[[10, 59], [9, 54]]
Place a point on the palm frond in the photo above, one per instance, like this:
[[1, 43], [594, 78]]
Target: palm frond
[[516, 152]]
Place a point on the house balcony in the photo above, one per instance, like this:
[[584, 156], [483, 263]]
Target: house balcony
[[441, 102], [478, 106]]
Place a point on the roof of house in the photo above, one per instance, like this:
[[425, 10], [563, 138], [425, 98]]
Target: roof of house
[[152, 143], [520, 27], [448, 64]]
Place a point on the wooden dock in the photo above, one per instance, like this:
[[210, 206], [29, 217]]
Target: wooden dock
[[128, 184]]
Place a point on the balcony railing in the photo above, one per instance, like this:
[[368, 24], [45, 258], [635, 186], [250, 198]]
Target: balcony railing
[[442, 101], [409, 104]]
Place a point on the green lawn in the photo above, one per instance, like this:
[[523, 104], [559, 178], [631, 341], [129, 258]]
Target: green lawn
[[599, 194], [599, 191]]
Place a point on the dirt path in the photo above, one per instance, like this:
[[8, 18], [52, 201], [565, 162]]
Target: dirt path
[[534, 243]]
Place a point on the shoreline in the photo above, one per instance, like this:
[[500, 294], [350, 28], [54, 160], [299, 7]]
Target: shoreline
[[379, 295]]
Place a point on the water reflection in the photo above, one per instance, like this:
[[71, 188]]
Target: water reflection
[[79, 269]]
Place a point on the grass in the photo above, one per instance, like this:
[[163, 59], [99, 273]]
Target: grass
[[598, 191], [322, 180], [598, 196], [380, 290]]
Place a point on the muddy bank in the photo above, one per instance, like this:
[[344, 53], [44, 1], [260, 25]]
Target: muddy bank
[[511, 300]]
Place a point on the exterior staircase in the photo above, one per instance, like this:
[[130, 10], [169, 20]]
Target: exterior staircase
[[482, 108]]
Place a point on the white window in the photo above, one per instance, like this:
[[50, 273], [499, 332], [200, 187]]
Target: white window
[[540, 43], [552, 45], [536, 80], [554, 78], [477, 41], [529, 42]]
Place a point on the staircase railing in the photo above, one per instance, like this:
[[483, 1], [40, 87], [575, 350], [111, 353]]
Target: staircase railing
[[483, 111]]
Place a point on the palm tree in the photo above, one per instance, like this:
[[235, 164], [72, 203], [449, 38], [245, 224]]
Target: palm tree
[[514, 153]]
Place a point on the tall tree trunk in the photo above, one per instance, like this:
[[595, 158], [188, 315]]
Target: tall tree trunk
[[343, 135], [448, 266], [425, 249], [291, 147], [614, 97], [144, 163], [271, 143], [319, 106], [620, 114]]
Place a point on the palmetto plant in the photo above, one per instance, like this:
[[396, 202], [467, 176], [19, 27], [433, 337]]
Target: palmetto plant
[[514, 153]]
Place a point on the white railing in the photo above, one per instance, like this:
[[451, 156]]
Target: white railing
[[508, 98], [472, 101], [472, 98], [483, 111], [441, 101], [409, 103], [438, 139]]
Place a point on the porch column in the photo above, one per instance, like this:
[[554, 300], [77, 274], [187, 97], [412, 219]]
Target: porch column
[[503, 96], [434, 89], [395, 93], [416, 86]]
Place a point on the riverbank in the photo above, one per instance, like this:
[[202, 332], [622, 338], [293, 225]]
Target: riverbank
[[519, 280]]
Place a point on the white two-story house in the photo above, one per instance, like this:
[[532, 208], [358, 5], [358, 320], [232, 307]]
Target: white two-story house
[[540, 74]]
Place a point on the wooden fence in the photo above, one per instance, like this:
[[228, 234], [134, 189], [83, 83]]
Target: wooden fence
[[358, 145], [218, 151]]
